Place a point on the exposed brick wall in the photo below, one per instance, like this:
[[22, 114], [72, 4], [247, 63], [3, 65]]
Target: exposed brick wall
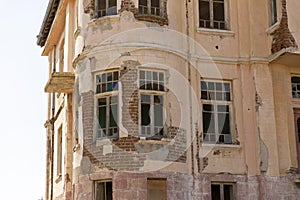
[[177, 151], [88, 118], [129, 81], [282, 37], [128, 186], [126, 143]]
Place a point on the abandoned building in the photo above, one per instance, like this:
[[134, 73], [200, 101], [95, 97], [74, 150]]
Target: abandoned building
[[172, 99]]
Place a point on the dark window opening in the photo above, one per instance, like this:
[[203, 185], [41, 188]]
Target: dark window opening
[[103, 190], [151, 7], [106, 8], [212, 14], [222, 191]]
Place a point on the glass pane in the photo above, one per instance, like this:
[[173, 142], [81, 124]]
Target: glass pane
[[103, 78], [102, 117], [148, 85], [215, 192], [98, 79], [228, 192], [204, 10], [143, 2], [158, 100], [142, 74], [145, 114], [142, 85], [208, 123], [115, 86], [148, 75], [212, 96], [100, 191], [211, 86], [208, 107], [155, 86], [103, 87], [227, 87], [102, 102], [203, 85], [219, 11], [112, 3], [108, 191], [154, 3], [158, 111], [145, 98], [223, 123], [113, 115], [109, 76], [161, 76], [116, 76], [102, 4], [219, 96], [204, 95], [219, 86], [155, 76], [109, 87], [223, 108]]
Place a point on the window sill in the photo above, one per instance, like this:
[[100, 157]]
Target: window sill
[[222, 145], [144, 140], [103, 141], [272, 28], [217, 32]]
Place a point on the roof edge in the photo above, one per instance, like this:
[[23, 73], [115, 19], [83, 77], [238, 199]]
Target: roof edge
[[47, 22]]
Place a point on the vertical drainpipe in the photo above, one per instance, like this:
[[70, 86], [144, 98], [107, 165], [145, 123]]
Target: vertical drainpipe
[[190, 88], [52, 127]]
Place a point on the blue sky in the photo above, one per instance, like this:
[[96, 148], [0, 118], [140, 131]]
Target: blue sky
[[23, 113]]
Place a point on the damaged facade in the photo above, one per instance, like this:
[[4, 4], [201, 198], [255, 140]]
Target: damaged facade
[[172, 99]]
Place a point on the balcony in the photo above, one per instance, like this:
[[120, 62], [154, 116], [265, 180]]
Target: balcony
[[60, 82]]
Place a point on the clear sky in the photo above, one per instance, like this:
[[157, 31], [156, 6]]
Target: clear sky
[[22, 79]]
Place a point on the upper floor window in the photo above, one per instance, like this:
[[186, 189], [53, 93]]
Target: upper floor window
[[296, 87], [105, 7], [216, 106], [150, 7], [152, 87], [107, 104], [212, 14], [273, 11]]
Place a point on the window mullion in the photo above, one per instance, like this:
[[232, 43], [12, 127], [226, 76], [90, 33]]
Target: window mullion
[[222, 191], [211, 8], [152, 113], [107, 115], [149, 6]]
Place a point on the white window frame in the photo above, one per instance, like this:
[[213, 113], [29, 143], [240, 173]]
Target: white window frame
[[215, 103], [106, 95], [211, 20], [95, 189], [100, 13], [294, 85], [151, 93], [157, 10]]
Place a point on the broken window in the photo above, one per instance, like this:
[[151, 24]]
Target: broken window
[[150, 7], [222, 191], [295, 87], [273, 11], [151, 104], [156, 189], [107, 104], [212, 14], [106, 7], [103, 190], [216, 103]]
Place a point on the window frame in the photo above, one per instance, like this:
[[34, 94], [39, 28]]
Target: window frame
[[152, 93], [211, 16], [98, 11], [273, 13], [221, 184], [216, 103], [105, 183], [107, 95], [292, 86], [59, 152], [149, 8]]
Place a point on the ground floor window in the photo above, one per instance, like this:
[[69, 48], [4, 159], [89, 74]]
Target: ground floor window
[[156, 189], [103, 190], [222, 191]]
